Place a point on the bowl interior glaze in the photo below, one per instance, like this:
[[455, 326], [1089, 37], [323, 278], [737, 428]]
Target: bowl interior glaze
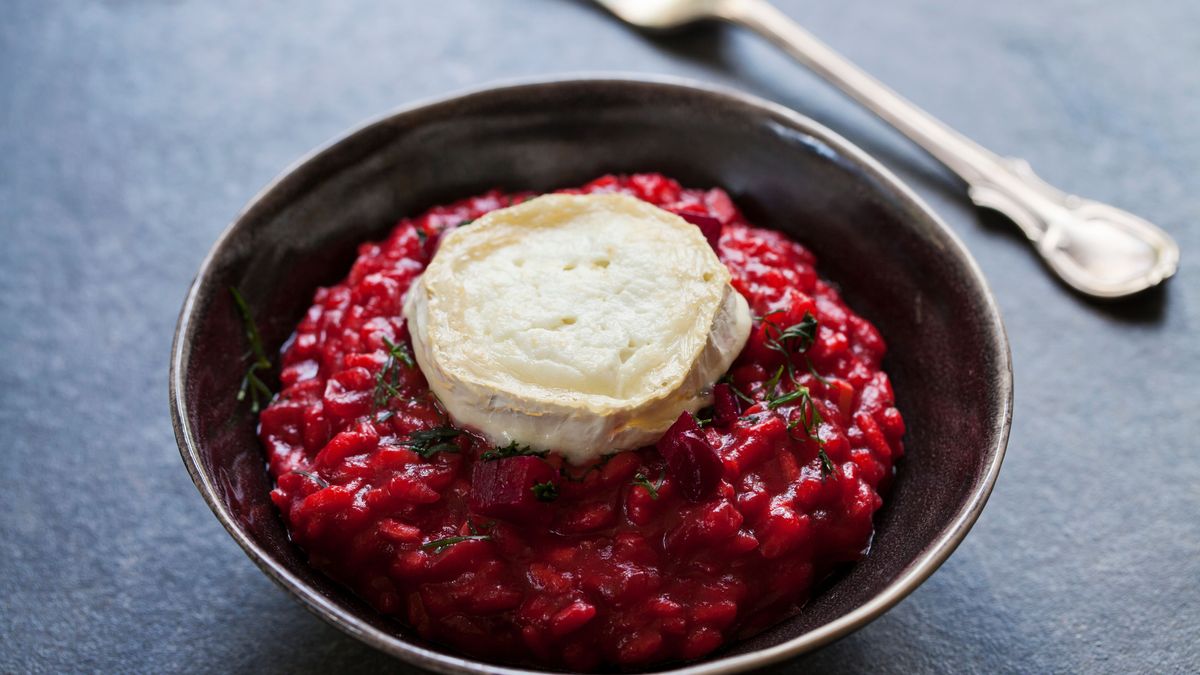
[[895, 262]]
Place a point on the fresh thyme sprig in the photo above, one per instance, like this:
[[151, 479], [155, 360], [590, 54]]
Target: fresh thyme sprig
[[792, 340], [399, 351], [827, 466], [783, 399], [640, 479], [313, 477], [439, 545], [513, 449], [809, 415], [428, 442], [387, 380], [810, 418], [796, 338], [251, 382]]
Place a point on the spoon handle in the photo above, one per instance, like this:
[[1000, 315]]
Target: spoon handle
[[1097, 249]]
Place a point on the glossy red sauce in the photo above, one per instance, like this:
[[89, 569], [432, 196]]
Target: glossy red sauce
[[609, 575]]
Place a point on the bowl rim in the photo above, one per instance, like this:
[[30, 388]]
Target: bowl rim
[[917, 572]]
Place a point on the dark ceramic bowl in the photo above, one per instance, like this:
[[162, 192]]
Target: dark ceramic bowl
[[896, 262]]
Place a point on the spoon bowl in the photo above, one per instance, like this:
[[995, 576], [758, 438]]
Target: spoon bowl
[[664, 15]]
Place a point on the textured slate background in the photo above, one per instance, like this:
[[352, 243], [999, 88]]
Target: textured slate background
[[131, 131]]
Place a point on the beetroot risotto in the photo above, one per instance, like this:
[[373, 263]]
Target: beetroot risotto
[[663, 553]]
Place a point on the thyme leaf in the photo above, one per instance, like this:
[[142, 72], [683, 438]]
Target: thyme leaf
[[399, 351], [769, 387], [814, 373], [439, 545], [794, 339], [810, 418], [428, 442], [545, 492], [513, 449], [812, 421], [827, 466], [640, 479], [790, 341], [387, 380], [798, 394], [252, 384], [314, 478]]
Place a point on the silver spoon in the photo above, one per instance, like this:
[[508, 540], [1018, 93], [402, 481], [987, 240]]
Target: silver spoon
[[1097, 249]]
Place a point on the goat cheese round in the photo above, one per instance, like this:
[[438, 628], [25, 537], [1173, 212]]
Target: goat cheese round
[[581, 324]]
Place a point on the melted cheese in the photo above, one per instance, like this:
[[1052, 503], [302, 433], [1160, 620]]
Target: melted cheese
[[579, 324]]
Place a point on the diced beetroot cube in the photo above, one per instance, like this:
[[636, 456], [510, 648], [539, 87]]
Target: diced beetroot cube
[[710, 227], [725, 405], [504, 488], [692, 463]]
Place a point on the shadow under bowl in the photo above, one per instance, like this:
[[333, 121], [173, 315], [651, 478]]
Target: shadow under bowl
[[896, 263]]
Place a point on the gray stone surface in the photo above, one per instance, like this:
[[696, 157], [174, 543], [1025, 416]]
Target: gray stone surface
[[131, 131]]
